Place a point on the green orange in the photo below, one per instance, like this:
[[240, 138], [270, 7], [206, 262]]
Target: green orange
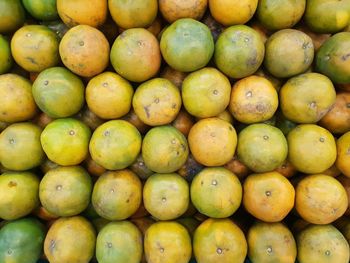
[[6, 59]]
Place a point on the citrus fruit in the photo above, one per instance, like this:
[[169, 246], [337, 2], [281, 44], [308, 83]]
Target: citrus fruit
[[337, 119], [239, 51], [21, 240], [73, 13], [219, 240], [238, 168], [19, 194], [117, 194], [139, 168], [253, 99], [271, 242], [333, 59], [206, 92], [268, 196], [212, 141], [288, 52], [6, 59], [58, 92], [343, 154], [35, 48], [276, 15], [119, 242], [89, 118], [16, 99], [70, 239], [131, 14], [312, 149], [157, 102], [66, 141], [41, 9], [327, 16], [175, 76], [306, 98], [164, 149], [166, 196], [20, 147], [345, 181], [322, 244], [84, 50], [190, 168], [65, 191], [167, 242], [115, 144], [216, 192], [262, 147], [320, 199], [286, 169], [135, 55], [12, 15], [187, 45], [173, 10], [183, 122], [232, 12]]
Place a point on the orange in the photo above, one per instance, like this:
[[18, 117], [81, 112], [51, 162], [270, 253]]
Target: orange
[[343, 154], [253, 99], [70, 239], [135, 55], [312, 149], [216, 192], [115, 144], [119, 242], [136, 13], [238, 168], [132, 118], [345, 181], [166, 196], [320, 199], [6, 59], [12, 15], [262, 147], [286, 169], [20, 147], [176, 9], [19, 194], [167, 242], [219, 240], [330, 244], [337, 119], [157, 102], [41, 10], [66, 141], [35, 48], [205, 93], [117, 194], [84, 50], [232, 12], [139, 167], [164, 149], [306, 98], [183, 122], [212, 141], [271, 242], [80, 12], [109, 95], [268, 196], [58, 92], [175, 76], [16, 99]]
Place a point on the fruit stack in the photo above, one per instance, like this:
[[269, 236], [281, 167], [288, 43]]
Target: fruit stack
[[174, 131]]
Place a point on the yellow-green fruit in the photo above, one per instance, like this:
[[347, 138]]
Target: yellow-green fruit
[[65, 191], [119, 242], [20, 147], [35, 48], [18, 195], [6, 60], [173, 10], [288, 52], [16, 100], [117, 194], [343, 154], [66, 141], [239, 51], [41, 9], [70, 239], [306, 98], [271, 242], [166, 196], [323, 244], [312, 149], [115, 144], [12, 15], [206, 92], [167, 242], [216, 192]]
